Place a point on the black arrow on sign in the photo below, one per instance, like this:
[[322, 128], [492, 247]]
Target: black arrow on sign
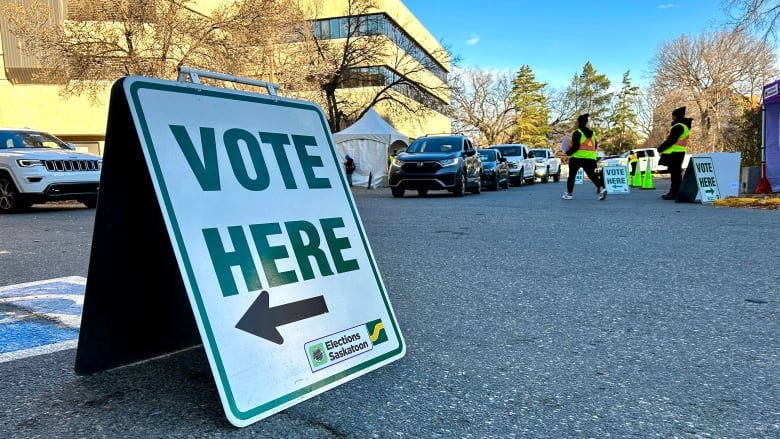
[[260, 320]]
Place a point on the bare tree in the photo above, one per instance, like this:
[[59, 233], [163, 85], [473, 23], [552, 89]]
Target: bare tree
[[482, 106], [97, 41], [754, 15], [376, 62], [644, 108], [706, 73]]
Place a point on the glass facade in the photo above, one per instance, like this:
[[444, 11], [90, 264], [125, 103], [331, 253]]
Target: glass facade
[[378, 24]]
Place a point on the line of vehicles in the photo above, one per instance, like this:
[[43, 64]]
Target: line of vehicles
[[452, 163]]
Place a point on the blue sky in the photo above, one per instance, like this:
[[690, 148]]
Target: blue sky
[[557, 38]]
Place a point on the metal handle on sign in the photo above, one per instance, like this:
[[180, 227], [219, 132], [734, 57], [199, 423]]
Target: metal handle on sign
[[194, 75]]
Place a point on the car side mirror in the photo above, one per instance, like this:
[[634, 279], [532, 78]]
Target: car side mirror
[[71, 146]]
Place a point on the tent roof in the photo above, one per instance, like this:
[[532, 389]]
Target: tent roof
[[371, 126]]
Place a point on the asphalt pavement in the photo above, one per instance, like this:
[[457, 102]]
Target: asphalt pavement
[[524, 315]]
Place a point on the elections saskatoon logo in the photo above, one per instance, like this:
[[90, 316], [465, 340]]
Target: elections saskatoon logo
[[317, 355], [377, 332]]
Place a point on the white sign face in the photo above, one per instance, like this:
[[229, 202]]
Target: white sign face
[[704, 170], [615, 179], [284, 287]]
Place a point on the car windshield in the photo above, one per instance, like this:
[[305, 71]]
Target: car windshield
[[29, 139], [488, 156], [509, 150], [435, 144], [538, 153]]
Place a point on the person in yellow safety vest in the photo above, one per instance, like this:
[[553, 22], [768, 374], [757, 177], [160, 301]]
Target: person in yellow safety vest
[[633, 159], [673, 150], [582, 154]]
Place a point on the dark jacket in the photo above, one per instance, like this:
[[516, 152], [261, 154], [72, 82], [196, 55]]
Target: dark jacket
[[349, 165], [675, 133]]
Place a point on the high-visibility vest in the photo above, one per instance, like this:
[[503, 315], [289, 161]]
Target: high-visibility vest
[[587, 147], [682, 142], [633, 158]]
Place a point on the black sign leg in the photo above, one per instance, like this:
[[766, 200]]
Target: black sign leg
[[688, 186], [135, 303]]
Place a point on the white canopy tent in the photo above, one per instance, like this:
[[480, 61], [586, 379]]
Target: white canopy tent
[[370, 141]]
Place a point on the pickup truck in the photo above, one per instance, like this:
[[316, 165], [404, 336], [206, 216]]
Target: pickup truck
[[520, 161], [547, 165]]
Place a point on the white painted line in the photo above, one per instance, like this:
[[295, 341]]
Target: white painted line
[[40, 350]]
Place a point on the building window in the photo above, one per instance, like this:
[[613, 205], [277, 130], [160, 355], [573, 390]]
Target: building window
[[378, 24]]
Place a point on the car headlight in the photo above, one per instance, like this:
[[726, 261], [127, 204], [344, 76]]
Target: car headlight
[[449, 162], [397, 163], [26, 163]]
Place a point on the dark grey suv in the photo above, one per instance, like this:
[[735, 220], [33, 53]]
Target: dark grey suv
[[437, 162]]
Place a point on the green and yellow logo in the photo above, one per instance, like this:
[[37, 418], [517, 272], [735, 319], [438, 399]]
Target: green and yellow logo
[[376, 330], [317, 355]]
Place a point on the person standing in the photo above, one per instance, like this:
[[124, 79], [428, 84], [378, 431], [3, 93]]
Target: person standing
[[349, 168], [582, 154], [633, 159], [673, 150]]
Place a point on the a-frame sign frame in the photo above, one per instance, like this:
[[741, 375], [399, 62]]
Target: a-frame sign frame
[[135, 304], [224, 218]]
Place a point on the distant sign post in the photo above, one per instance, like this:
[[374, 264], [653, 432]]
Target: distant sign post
[[704, 170], [267, 240], [615, 179]]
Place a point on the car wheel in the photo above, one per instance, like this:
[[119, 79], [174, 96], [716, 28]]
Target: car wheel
[[557, 177], [496, 182], [397, 192], [10, 199], [90, 202], [546, 176], [520, 179], [460, 188], [477, 188], [422, 192]]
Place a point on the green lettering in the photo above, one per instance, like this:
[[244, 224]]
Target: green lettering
[[309, 162], [336, 245], [278, 142], [232, 138], [269, 254], [223, 261], [207, 170], [308, 248]]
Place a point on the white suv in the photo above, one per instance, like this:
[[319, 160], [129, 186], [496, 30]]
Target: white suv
[[36, 167]]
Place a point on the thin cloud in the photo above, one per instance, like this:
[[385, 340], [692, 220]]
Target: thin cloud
[[473, 40], [667, 6]]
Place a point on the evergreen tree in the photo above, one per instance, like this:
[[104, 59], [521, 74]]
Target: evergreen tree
[[531, 112], [589, 93], [621, 135]]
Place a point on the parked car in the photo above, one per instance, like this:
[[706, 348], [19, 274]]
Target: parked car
[[37, 167], [437, 162], [521, 163], [547, 165], [495, 171]]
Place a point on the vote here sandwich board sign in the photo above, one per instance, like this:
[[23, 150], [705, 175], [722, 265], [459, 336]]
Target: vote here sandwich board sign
[[283, 284]]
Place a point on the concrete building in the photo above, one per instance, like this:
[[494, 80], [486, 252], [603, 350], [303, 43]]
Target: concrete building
[[27, 103]]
